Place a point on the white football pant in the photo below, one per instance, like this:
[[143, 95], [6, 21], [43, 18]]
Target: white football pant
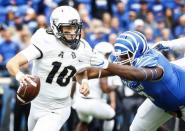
[[149, 117], [47, 120], [89, 108]]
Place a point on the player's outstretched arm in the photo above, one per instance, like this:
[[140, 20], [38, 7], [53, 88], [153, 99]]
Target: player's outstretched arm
[[103, 68], [92, 73], [133, 73]]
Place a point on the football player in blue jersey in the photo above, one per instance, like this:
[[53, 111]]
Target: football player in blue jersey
[[148, 73]]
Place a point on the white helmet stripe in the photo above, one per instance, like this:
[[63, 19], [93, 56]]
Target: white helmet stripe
[[121, 45], [131, 36], [145, 62], [144, 42]]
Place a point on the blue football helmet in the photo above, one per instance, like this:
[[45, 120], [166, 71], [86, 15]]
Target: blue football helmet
[[129, 46]]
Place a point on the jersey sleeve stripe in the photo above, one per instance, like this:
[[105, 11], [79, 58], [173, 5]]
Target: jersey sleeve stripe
[[41, 54]]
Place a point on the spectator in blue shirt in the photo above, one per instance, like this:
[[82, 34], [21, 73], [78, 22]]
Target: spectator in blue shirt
[[97, 33], [179, 10], [121, 13], [180, 29], [8, 49]]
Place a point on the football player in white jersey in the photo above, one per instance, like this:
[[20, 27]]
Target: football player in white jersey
[[94, 105], [54, 53], [176, 44]]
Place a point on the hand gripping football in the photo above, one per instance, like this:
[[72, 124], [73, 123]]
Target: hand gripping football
[[26, 93]]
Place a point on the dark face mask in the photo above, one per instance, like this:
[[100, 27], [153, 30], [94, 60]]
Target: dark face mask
[[70, 34]]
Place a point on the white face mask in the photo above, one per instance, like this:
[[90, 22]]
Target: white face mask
[[123, 58]]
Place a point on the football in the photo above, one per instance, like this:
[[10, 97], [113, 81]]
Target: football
[[26, 93]]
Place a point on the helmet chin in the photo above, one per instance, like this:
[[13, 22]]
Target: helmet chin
[[73, 44], [69, 39]]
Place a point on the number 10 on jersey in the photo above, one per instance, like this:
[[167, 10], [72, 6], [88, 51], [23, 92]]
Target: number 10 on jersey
[[65, 75]]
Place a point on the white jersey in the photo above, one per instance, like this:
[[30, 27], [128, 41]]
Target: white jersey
[[179, 62], [176, 44], [55, 64]]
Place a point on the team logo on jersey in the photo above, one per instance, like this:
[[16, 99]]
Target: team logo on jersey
[[61, 55], [73, 55]]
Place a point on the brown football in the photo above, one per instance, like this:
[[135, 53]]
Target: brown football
[[27, 93]]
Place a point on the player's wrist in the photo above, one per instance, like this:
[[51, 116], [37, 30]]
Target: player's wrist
[[19, 75], [84, 80]]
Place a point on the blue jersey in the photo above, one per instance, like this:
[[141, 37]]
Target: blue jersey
[[168, 92]]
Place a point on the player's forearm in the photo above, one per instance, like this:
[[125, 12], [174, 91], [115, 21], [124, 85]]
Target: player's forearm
[[125, 71], [13, 65], [133, 73], [97, 73], [92, 73]]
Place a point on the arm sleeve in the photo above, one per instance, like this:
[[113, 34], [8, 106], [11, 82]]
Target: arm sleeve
[[35, 50], [31, 52], [176, 44]]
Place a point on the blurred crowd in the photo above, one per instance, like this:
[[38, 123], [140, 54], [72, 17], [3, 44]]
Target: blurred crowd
[[102, 20]]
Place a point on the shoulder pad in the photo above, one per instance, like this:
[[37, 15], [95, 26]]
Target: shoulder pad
[[85, 43], [148, 60], [49, 31]]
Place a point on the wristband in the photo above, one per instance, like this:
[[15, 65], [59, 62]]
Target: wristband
[[19, 75]]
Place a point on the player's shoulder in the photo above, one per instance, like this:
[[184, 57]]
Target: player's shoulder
[[38, 35], [42, 38], [150, 59], [84, 44], [42, 33]]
